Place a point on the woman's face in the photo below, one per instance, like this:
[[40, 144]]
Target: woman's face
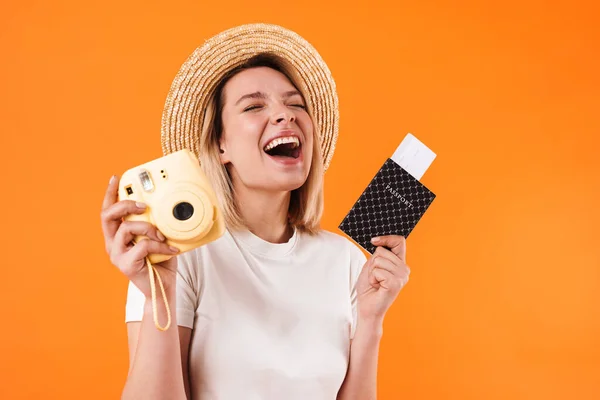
[[267, 134]]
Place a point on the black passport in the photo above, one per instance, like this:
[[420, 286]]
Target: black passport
[[392, 204]]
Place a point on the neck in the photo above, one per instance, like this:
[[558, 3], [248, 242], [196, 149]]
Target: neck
[[265, 213]]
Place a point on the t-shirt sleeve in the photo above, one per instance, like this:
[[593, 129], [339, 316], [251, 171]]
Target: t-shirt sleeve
[[134, 307], [357, 261], [189, 280], [188, 285]]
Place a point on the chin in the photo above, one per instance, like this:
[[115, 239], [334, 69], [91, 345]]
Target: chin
[[285, 182]]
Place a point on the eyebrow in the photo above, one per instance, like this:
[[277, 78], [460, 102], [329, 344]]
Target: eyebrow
[[262, 95]]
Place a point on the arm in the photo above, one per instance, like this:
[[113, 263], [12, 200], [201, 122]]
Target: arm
[[361, 379], [156, 370], [379, 282], [158, 367]]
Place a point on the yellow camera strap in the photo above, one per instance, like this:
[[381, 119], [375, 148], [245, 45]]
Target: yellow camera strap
[[151, 272]]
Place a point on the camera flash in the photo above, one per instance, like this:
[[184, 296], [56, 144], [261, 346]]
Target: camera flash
[[146, 181]]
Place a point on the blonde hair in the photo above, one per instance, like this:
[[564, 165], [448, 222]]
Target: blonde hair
[[306, 202]]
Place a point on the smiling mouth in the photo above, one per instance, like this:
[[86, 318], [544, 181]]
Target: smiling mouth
[[284, 148]]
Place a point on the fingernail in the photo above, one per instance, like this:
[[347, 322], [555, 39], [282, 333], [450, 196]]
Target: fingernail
[[160, 236], [140, 205], [375, 239], [112, 178], [174, 249]]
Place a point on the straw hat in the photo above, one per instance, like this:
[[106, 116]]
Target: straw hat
[[198, 77]]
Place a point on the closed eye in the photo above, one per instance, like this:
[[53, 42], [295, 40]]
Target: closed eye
[[252, 108]]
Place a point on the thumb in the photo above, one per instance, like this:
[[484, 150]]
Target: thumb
[[395, 243]]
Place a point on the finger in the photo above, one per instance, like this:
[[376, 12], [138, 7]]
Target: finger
[[385, 264], [399, 267], [373, 281], [111, 216], [365, 271], [385, 253], [382, 276], [110, 196], [128, 230], [386, 280], [365, 268], [401, 270], [122, 209], [396, 243], [139, 252]]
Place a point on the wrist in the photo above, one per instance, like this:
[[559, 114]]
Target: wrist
[[160, 301], [158, 278], [370, 326]]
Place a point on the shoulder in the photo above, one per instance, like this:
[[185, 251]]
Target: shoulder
[[196, 256], [196, 259], [344, 252], [340, 243]]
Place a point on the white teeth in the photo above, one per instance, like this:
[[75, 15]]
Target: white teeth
[[282, 140]]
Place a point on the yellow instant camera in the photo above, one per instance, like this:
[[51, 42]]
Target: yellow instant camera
[[180, 201]]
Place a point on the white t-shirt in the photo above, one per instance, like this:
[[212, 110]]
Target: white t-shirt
[[270, 321]]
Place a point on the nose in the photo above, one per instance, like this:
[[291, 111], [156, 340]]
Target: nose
[[282, 114]]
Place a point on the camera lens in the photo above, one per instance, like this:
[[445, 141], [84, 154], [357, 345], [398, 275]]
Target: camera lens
[[183, 211]]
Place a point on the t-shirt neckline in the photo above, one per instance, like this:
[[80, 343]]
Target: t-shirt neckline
[[260, 246]]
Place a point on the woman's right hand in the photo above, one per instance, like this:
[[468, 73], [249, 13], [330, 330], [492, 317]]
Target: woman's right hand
[[130, 258]]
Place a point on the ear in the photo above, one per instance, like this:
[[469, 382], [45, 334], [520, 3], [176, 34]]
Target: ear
[[223, 155]]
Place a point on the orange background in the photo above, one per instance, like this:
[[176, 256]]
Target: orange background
[[504, 298]]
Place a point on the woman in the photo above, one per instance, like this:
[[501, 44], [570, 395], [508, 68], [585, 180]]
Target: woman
[[276, 308]]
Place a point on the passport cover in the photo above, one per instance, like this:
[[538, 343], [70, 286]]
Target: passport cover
[[392, 204]]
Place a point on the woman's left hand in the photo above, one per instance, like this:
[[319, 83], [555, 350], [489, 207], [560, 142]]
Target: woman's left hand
[[382, 277]]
